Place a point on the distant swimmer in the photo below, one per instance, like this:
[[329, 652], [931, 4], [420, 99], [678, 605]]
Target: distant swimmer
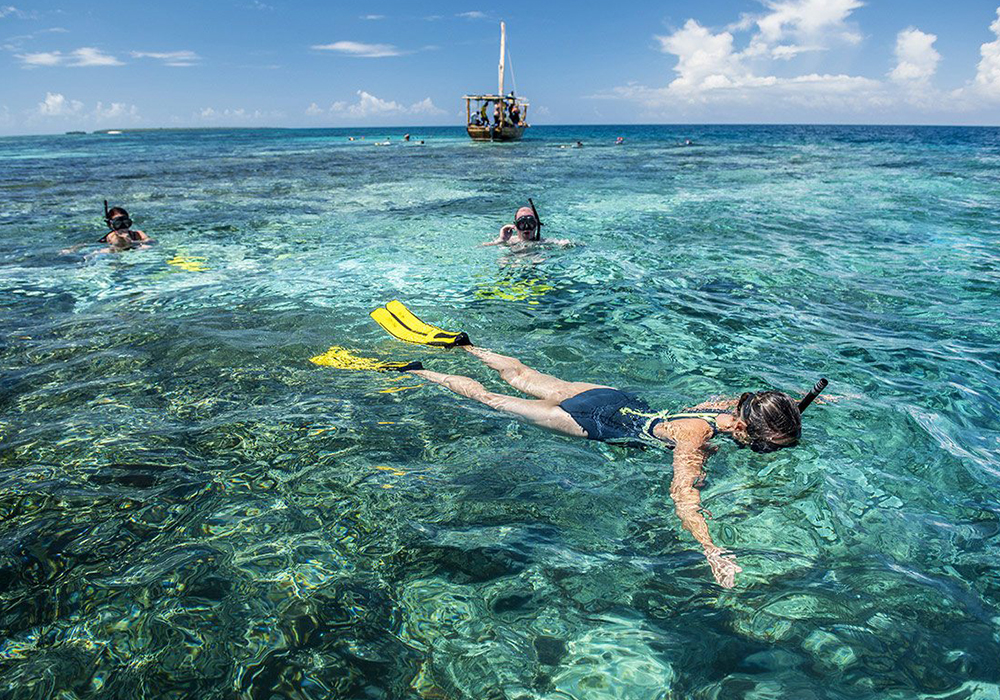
[[619, 141], [526, 229], [579, 144], [406, 137], [121, 236], [765, 421]]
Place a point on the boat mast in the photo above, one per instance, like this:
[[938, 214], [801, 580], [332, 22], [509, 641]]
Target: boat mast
[[503, 42]]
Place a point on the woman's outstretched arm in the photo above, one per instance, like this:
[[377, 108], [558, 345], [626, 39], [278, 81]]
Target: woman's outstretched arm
[[689, 460]]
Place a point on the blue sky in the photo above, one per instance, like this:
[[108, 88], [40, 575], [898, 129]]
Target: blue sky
[[104, 64]]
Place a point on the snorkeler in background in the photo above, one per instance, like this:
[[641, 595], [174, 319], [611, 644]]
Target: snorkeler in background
[[121, 236], [764, 421], [526, 229]]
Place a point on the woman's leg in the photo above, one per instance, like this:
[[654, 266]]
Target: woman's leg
[[546, 414], [530, 381]]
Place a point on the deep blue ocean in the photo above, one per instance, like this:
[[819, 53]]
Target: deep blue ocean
[[189, 508]]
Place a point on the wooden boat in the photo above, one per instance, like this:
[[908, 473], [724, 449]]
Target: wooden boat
[[499, 106]]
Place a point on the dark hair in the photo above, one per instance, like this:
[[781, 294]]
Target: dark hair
[[114, 212], [773, 420]]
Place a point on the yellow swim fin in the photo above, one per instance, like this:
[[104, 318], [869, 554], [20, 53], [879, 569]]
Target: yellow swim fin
[[400, 323], [342, 358]]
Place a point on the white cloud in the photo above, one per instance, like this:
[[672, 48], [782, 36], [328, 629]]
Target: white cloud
[[10, 11], [705, 61], [786, 52], [355, 48], [916, 58], [31, 60], [236, 116], [170, 58], [116, 111], [807, 20], [713, 67], [373, 18], [369, 106], [5, 118], [475, 14], [987, 81], [425, 106], [56, 105], [84, 57], [88, 56]]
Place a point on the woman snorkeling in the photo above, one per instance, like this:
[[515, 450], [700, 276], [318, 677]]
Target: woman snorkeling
[[526, 229], [764, 421], [121, 235]]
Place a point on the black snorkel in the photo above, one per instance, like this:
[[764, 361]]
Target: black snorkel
[[813, 393], [107, 220], [538, 231]]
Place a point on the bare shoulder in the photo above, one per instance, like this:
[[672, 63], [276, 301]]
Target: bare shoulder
[[687, 432]]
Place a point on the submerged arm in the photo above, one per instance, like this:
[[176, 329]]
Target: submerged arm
[[689, 458]]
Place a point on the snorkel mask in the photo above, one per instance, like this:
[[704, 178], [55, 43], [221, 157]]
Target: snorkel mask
[[529, 224], [760, 444], [119, 222], [526, 223]]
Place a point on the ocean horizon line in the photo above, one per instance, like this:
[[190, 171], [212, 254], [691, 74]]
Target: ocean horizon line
[[147, 129]]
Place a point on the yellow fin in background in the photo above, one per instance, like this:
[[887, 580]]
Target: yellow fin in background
[[342, 358], [401, 323], [188, 264]]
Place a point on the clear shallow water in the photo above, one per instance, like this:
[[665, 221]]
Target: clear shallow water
[[189, 508]]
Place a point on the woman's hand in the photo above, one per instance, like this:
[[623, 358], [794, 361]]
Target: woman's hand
[[724, 566]]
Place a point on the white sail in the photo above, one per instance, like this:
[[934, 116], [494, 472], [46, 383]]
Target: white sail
[[503, 52]]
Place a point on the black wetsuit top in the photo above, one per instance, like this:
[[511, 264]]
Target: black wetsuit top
[[615, 416]]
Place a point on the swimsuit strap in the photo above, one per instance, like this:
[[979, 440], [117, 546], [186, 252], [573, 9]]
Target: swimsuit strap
[[655, 419]]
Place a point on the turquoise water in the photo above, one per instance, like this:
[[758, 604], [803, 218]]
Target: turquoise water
[[189, 508]]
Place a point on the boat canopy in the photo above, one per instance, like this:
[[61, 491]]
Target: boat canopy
[[496, 98]]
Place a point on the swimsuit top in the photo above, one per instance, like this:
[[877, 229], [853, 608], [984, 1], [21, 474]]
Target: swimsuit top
[[618, 417], [654, 419]]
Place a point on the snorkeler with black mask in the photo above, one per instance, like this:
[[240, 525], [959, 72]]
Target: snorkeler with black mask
[[527, 228], [765, 421], [121, 235]]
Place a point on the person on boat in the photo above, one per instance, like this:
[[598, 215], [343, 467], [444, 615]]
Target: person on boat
[[764, 421], [498, 114], [515, 114], [484, 117]]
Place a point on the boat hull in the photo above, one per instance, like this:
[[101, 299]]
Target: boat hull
[[504, 133]]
